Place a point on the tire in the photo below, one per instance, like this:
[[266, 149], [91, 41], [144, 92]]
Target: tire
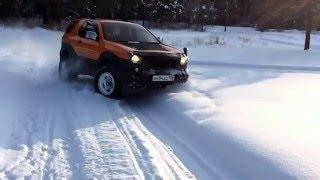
[[108, 84], [163, 86], [66, 70]]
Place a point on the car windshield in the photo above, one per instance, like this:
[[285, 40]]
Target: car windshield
[[125, 32]]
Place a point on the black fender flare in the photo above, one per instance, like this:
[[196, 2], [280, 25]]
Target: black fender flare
[[107, 58], [118, 65], [67, 51]]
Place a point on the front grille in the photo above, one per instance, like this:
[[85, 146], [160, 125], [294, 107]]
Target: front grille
[[161, 62]]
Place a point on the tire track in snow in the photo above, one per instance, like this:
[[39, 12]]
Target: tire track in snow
[[43, 153], [156, 160], [47, 125], [105, 154], [122, 148], [32, 158], [57, 165], [40, 159]]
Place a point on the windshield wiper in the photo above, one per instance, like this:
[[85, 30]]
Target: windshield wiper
[[138, 42], [151, 42], [133, 42]]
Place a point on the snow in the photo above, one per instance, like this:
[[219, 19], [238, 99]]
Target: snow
[[249, 111], [55, 130], [246, 47], [290, 115]]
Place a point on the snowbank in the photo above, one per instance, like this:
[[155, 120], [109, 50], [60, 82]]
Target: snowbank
[[245, 46]]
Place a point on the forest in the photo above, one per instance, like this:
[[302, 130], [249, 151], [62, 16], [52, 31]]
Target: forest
[[161, 89], [263, 14]]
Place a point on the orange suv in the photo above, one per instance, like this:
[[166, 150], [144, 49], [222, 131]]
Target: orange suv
[[118, 55]]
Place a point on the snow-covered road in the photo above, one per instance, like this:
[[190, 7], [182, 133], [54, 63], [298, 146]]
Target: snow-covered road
[[74, 132], [228, 122], [54, 130]]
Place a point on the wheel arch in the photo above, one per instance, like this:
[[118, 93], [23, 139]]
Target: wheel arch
[[66, 51], [107, 58], [115, 63]]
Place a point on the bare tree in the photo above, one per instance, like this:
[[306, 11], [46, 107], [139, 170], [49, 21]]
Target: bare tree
[[309, 23], [281, 13]]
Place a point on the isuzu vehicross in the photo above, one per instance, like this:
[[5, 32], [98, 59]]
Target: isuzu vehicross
[[119, 54]]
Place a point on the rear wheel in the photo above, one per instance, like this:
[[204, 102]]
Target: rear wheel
[[163, 86], [107, 83], [66, 71]]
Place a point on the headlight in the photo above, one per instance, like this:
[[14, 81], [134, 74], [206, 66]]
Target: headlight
[[135, 59], [184, 60]]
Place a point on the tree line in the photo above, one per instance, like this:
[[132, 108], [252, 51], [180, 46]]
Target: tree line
[[262, 14]]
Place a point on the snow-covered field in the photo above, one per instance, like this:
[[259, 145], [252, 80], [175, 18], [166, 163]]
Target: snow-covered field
[[249, 111]]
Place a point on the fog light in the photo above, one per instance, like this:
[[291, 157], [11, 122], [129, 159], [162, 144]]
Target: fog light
[[136, 69]]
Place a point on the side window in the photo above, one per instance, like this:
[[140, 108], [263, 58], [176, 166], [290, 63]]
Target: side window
[[89, 30]]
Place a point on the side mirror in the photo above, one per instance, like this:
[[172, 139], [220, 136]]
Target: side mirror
[[185, 51], [160, 39]]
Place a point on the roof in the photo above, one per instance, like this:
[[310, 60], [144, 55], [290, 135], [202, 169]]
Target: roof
[[109, 20]]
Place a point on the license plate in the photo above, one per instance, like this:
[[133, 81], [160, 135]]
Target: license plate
[[162, 78]]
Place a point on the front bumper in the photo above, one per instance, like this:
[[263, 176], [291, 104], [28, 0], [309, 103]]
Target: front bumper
[[145, 78], [141, 75]]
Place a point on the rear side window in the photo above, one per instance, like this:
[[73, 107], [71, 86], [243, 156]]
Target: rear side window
[[89, 30], [71, 26]]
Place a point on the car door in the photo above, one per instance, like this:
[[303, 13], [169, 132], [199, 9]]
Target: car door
[[87, 43]]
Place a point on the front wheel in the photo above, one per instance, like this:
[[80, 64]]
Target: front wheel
[[107, 84]]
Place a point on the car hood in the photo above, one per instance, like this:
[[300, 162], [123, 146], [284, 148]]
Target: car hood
[[151, 48]]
